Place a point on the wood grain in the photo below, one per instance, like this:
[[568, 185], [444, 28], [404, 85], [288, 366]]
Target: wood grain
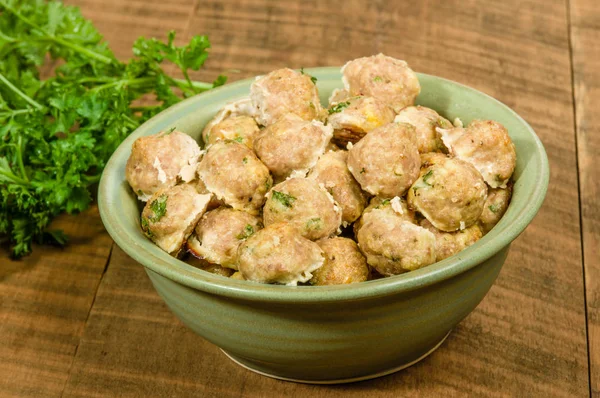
[[45, 299], [528, 336], [585, 40]]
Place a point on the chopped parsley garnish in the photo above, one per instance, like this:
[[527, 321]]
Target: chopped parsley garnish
[[159, 208], [494, 208], [377, 79], [284, 198], [245, 160], [314, 224], [169, 131], [246, 233], [385, 202], [362, 171], [338, 107], [239, 139], [312, 78], [427, 176]]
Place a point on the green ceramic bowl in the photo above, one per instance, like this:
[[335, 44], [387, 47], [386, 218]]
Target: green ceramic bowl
[[330, 334]]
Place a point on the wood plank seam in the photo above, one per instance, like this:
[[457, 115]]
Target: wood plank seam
[[575, 126], [87, 318]]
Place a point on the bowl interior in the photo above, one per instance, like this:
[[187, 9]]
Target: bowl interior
[[120, 214]]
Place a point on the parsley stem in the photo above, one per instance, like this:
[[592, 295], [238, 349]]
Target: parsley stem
[[19, 149], [13, 178], [58, 40], [20, 93], [15, 112]]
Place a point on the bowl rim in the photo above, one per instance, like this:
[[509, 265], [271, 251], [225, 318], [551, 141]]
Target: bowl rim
[[192, 277]]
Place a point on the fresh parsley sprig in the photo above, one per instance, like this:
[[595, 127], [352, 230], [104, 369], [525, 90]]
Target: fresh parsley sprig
[[57, 134]]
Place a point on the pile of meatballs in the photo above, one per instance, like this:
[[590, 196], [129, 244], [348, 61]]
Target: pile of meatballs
[[286, 191]]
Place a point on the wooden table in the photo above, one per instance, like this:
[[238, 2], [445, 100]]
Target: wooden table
[[85, 320]]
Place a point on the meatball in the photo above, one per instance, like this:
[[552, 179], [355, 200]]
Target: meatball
[[425, 121], [386, 161], [344, 263], [449, 243], [157, 161], [332, 172], [279, 254], [219, 233], [495, 206], [210, 267], [171, 214], [394, 246], [285, 91], [241, 107], [238, 276], [393, 207], [292, 145], [385, 78], [235, 175], [357, 116], [305, 205], [431, 158], [450, 194], [487, 146], [240, 128]]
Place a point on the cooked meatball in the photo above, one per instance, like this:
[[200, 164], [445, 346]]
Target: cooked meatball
[[240, 128], [332, 172], [171, 214], [201, 188], [279, 254], [386, 161], [495, 206], [450, 194], [393, 207], [487, 146], [385, 78], [285, 91], [394, 246], [238, 276], [219, 233], [431, 158], [241, 107], [292, 145], [235, 175], [210, 267], [449, 243], [357, 116], [157, 161], [425, 120], [344, 263], [305, 205]]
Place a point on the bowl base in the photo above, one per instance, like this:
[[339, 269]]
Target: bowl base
[[385, 372]]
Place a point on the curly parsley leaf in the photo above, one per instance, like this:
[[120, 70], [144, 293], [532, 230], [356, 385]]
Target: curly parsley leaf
[[57, 134]]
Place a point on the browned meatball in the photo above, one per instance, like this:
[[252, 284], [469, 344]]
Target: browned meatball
[[425, 121], [210, 267], [394, 246], [487, 146], [171, 214], [305, 205], [449, 243], [219, 233], [241, 107], [292, 145], [285, 91], [344, 263], [495, 206], [431, 158], [157, 161], [385, 78], [386, 161], [240, 128], [233, 173], [393, 207], [357, 116], [331, 171], [450, 194], [279, 254]]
